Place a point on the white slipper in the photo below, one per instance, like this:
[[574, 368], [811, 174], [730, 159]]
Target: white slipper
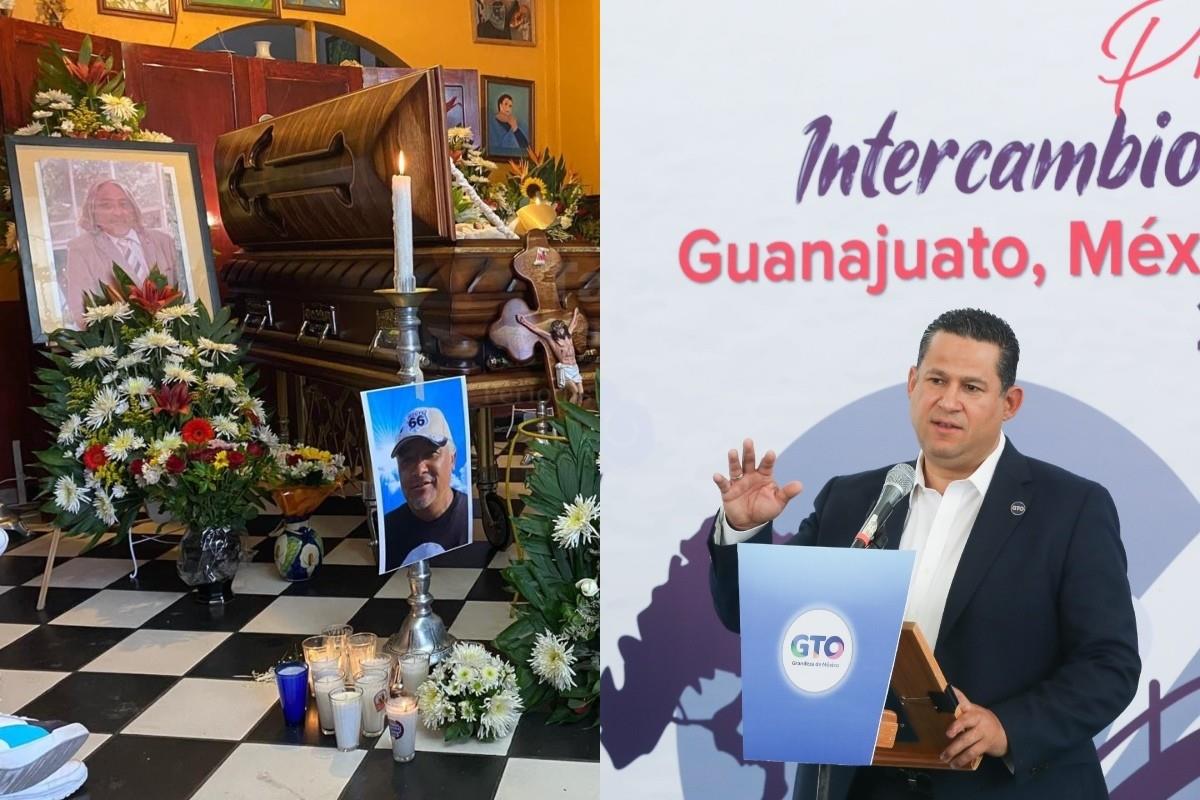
[[33, 750], [60, 785]]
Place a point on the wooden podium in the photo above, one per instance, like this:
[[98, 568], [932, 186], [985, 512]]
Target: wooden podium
[[927, 703]]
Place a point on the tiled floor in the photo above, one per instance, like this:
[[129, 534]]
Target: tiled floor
[[165, 685]]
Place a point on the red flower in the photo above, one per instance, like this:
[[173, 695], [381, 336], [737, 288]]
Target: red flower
[[94, 457], [236, 458], [135, 467], [205, 456], [256, 449], [173, 398], [176, 464], [151, 298], [92, 74], [293, 460], [197, 432]]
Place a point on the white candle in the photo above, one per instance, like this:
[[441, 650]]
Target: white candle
[[324, 685], [402, 722], [402, 235]]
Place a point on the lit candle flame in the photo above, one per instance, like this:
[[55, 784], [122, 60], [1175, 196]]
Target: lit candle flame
[[400, 164]]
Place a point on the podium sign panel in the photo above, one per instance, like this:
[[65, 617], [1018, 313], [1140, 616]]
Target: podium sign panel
[[820, 627]]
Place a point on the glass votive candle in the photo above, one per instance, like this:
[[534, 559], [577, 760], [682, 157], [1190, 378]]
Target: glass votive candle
[[414, 670], [402, 722], [347, 716], [337, 635], [374, 686], [325, 684], [291, 678], [385, 664], [361, 645]]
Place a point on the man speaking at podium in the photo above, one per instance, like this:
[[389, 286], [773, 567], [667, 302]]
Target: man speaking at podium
[[1019, 586]]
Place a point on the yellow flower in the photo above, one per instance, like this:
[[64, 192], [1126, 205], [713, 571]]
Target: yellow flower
[[313, 454], [533, 187], [221, 461]]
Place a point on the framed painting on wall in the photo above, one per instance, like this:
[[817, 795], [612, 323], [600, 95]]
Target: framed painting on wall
[[331, 6], [83, 206], [162, 10], [504, 21], [247, 8], [508, 116]]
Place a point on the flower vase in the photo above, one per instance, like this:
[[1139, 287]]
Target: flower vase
[[298, 549], [208, 561]]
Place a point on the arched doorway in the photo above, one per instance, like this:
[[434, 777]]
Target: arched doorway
[[334, 44]]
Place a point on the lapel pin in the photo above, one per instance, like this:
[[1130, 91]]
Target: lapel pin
[[1017, 508]]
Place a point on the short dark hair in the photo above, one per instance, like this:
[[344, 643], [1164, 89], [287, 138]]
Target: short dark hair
[[982, 326], [501, 99], [559, 329]]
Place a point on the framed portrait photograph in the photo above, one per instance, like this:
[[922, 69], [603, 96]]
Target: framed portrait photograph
[[504, 21], [420, 451], [331, 6], [85, 205], [507, 116], [246, 8], [163, 10]]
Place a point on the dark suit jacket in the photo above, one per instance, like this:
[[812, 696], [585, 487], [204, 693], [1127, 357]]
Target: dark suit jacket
[[1038, 625]]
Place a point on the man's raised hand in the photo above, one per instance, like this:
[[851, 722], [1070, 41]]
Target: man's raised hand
[[750, 494]]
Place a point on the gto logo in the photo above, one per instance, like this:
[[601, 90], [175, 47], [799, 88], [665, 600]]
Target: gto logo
[[817, 651], [831, 647]]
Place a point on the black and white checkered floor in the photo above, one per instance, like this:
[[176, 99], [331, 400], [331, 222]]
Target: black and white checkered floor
[[165, 686]]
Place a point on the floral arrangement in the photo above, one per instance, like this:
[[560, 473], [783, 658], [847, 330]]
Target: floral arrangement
[[301, 465], [555, 640], [470, 693], [85, 99], [475, 168], [541, 179], [149, 402]]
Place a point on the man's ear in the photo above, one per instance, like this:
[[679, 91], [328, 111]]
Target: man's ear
[[1012, 401]]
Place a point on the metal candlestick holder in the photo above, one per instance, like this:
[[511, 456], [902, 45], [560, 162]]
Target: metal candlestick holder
[[422, 631]]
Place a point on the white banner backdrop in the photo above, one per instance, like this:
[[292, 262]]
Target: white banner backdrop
[[712, 116]]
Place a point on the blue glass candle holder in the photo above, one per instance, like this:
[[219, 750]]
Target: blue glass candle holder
[[292, 679]]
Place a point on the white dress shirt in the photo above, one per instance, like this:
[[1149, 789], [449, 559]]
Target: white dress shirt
[[937, 528]]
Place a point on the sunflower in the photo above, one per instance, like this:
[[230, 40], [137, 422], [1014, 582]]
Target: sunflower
[[533, 188]]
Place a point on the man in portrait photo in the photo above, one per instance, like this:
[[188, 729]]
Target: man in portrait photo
[[435, 516], [112, 231]]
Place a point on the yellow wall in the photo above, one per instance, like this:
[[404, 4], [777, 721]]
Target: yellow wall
[[564, 64]]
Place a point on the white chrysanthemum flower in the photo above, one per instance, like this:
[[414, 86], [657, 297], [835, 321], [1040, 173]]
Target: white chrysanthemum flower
[[551, 661], [103, 354], [32, 129], [137, 387], [225, 426], [180, 374], [151, 474], [490, 676], [151, 136], [69, 429], [464, 674], [118, 490], [42, 114], [118, 311], [218, 349], [155, 339], [466, 711], [175, 312], [428, 693], [476, 687], [167, 443], [107, 404], [576, 524], [252, 406], [460, 132], [122, 442], [118, 109], [105, 509], [500, 714], [588, 587], [221, 381], [66, 125], [266, 436], [472, 655], [131, 360], [68, 494], [51, 96]]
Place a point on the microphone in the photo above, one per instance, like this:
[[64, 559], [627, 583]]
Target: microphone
[[896, 486]]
